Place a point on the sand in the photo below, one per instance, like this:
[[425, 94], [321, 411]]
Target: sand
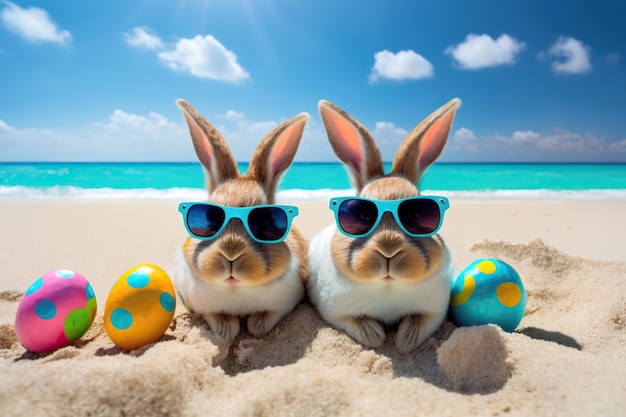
[[567, 357]]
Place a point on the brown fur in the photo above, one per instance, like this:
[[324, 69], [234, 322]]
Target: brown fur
[[211, 148], [234, 255], [337, 123], [234, 252], [388, 251], [421, 147], [387, 256], [253, 263], [284, 137]]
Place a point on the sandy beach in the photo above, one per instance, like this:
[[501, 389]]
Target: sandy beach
[[567, 357]]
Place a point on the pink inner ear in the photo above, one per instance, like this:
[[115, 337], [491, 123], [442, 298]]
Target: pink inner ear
[[280, 148], [207, 156], [434, 140], [349, 143], [284, 148], [200, 142]]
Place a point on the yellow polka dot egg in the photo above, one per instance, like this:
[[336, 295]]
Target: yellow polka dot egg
[[140, 307], [488, 291]]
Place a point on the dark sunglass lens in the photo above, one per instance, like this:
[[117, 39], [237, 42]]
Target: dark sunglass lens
[[205, 221], [268, 223], [357, 217], [419, 216]]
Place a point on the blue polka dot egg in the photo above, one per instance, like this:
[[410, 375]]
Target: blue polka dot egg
[[140, 307], [57, 309], [488, 291]]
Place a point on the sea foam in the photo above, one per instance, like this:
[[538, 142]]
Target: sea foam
[[199, 194]]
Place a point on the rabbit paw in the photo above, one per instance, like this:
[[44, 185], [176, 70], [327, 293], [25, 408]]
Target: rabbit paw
[[408, 336], [223, 325], [261, 323], [366, 331]]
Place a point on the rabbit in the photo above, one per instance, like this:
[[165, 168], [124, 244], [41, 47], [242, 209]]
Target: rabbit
[[359, 285], [233, 276]]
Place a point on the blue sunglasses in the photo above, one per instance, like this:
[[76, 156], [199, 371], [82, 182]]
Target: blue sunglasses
[[420, 216], [268, 223]]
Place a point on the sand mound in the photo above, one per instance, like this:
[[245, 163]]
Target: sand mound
[[566, 358]]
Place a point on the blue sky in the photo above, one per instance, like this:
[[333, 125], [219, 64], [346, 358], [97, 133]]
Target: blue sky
[[540, 81]]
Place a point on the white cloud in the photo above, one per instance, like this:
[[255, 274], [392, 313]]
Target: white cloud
[[526, 136], [314, 145], [463, 135], [558, 145], [568, 142], [141, 37], [126, 136], [123, 137], [465, 140], [389, 137], [243, 134], [618, 146], [122, 120], [33, 24], [558, 140], [204, 57], [571, 56], [388, 131], [404, 65], [5, 127], [482, 51], [234, 116]]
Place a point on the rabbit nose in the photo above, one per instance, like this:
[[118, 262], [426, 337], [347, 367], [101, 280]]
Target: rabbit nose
[[231, 253], [232, 249], [388, 238], [233, 242], [389, 251]]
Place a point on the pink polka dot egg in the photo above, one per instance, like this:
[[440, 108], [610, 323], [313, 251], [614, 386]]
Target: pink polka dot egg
[[56, 310], [488, 291]]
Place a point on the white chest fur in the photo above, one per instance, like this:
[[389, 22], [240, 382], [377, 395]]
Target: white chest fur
[[335, 295], [280, 295]]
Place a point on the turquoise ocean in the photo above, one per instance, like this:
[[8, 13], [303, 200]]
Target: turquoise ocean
[[308, 181]]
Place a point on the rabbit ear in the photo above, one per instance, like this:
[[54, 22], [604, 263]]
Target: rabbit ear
[[425, 142], [353, 144], [275, 153], [211, 148]]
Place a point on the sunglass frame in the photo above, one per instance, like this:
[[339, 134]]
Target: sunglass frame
[[241, 213], [390, 206]]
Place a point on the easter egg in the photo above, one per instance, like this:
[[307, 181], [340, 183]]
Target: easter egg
[[56, 309], [140, 307], [488, 291]]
